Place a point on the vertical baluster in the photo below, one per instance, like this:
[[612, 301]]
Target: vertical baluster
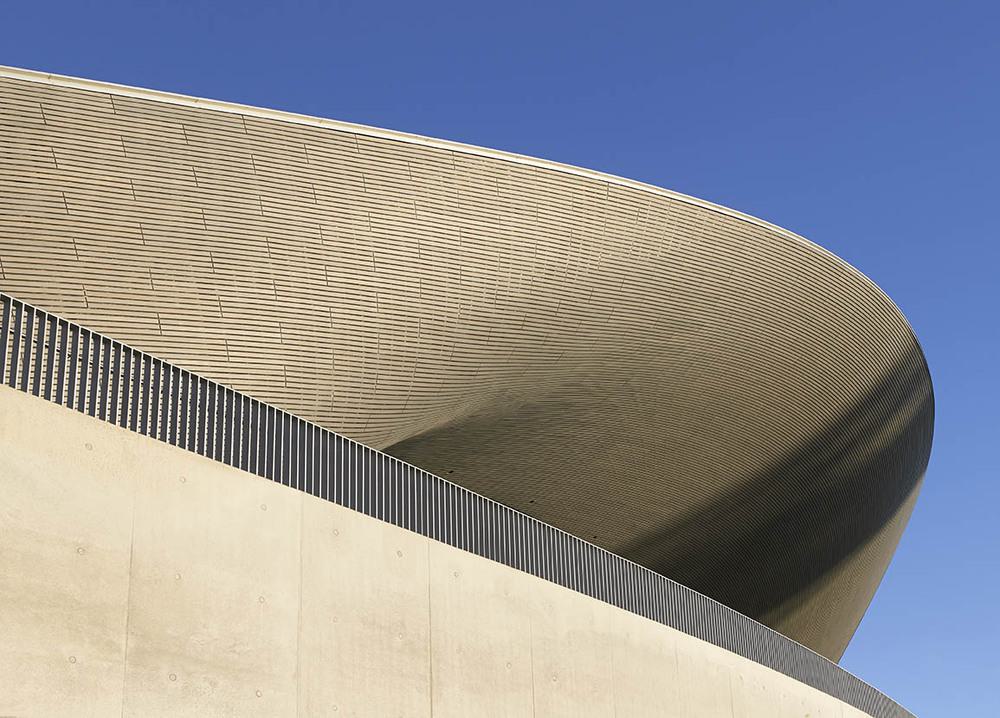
[[15, 349], [72, 390], [94, 374], [83, 375], [5, 303], [236, 423], [50, 356], [104, 386], [284, 438], [154, 398], [220, 422], [203, 414], [114, 398], [166, 377], [64, 330], [138, 389], [173, 429], [245, 434], [210, 390], [188, 391], [254, 446], [29, 324], [38, 367], [325, 468], [125, 378], [269, 450]]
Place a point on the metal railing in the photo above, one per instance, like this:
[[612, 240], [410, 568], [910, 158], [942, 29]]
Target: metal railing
[[65, 363]]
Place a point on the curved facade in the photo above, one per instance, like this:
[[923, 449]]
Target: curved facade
[[693, 389], [160, 586], [435, 585]]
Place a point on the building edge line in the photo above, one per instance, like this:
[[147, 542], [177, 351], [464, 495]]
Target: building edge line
[[235, 108]]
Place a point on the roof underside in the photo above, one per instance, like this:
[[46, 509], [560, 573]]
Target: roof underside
[[706, 394]]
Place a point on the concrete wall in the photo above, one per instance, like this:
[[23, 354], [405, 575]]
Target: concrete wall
[[139, 579]]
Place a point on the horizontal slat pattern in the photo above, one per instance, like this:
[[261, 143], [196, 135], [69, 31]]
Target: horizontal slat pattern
[[701, 392]]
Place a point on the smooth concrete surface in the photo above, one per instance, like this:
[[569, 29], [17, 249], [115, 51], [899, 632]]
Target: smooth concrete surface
[[138, 579], [364, 635], [715, 383]]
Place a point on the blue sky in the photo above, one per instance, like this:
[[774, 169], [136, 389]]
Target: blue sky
[[871, 128]]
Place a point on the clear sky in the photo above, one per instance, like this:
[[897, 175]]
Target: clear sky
[[872, 128]]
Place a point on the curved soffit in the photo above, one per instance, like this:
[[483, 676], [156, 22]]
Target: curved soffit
[[694, 389]]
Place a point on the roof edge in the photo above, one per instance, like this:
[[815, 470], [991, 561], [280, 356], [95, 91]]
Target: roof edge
[[173, 98], [394, 135]]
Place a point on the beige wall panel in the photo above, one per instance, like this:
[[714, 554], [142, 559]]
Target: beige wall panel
[[481, 639], [571, 648], [65, 535], [704, 681], [214, 600], [364, 645], [646, 673]]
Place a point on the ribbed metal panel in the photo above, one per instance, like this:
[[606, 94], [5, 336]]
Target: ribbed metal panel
[[114, 382], [685, 386]]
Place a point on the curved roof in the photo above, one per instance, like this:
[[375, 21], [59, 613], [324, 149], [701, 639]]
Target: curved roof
[[697, 390]]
